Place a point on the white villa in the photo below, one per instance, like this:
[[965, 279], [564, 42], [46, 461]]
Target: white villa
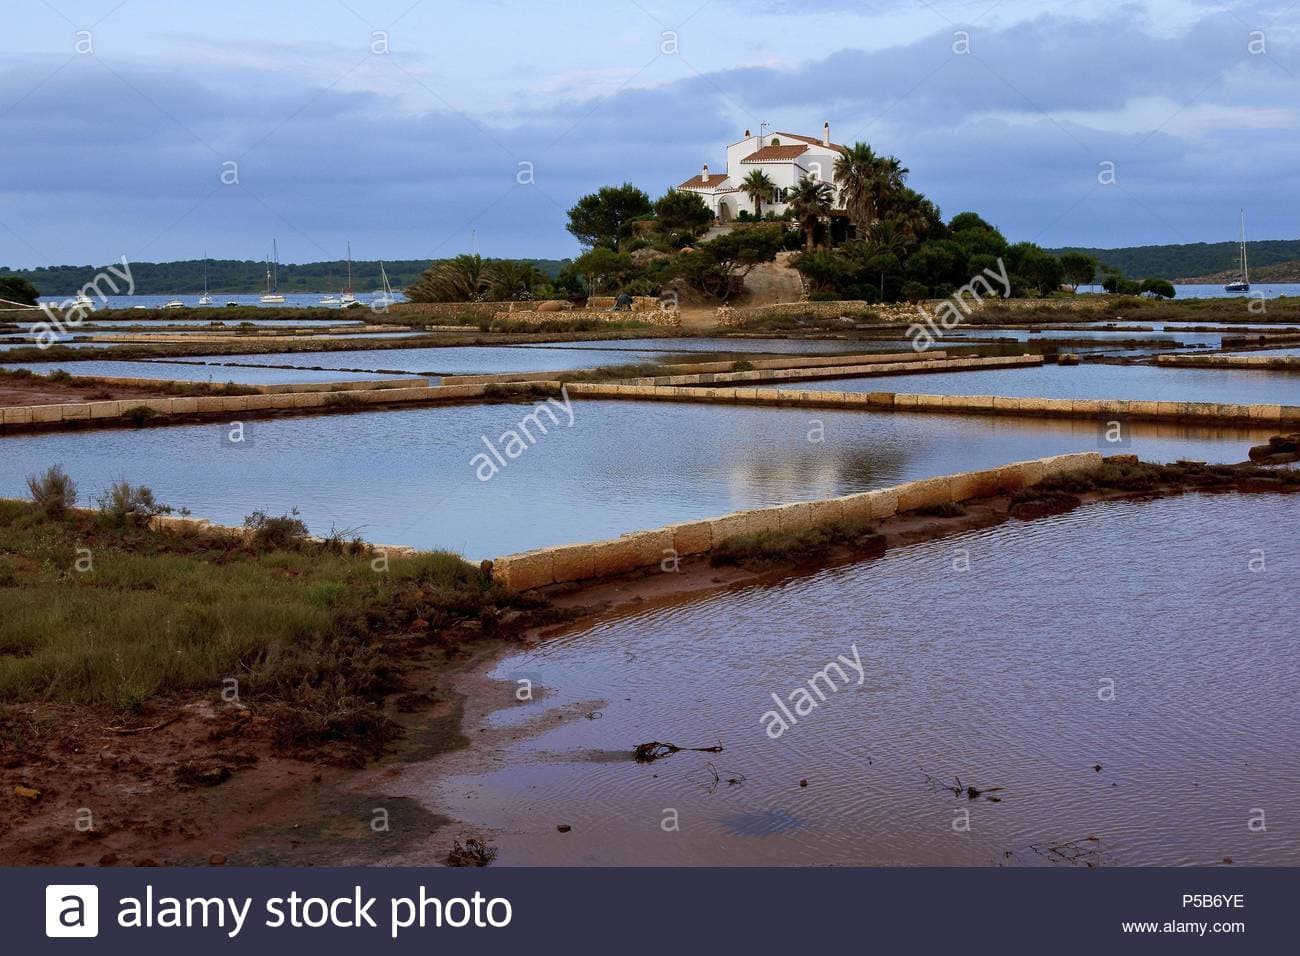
[[786, 158]]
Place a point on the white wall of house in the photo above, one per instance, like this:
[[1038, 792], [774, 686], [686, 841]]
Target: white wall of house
[[817, 162]]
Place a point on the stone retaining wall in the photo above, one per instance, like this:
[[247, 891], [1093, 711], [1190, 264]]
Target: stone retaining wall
[[1190, 413], [1281, 363], [655, 316], [372, 385], [647, 549], [900, 366], [702, 368], [795, 310], [32, 417], [235, 337]]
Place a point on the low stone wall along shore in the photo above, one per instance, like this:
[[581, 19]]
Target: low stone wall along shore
[[641, 550]]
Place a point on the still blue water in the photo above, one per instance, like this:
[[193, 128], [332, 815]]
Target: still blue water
[[409, 476], [1133, 382]]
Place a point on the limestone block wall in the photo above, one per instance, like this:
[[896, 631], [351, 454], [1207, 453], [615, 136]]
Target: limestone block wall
[[1188, 413], [794, 310], [361, 386], [656, 316], [1277, 363], [647, 549], [707, 368], [35, 417], [900, 365]]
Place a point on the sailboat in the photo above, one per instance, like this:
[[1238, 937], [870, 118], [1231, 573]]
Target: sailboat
[[1242, 282], [205, 299], [273, 297], [384, 299], [348, 298]]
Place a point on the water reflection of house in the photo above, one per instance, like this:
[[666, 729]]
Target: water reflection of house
[[785, 158]]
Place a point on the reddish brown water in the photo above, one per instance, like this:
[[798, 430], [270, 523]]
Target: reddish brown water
[[998, 674]]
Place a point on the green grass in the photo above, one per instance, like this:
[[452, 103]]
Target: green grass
[[311, 633]]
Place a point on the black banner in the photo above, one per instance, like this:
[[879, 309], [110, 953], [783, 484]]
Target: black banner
[[195, 911]]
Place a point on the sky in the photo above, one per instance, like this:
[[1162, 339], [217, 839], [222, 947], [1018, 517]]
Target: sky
[[427, 128]]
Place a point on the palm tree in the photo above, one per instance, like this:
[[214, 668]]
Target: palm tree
[[916, 216], [509, 279], [811, 203], [463, 279], [886, 242], [868, 182], [757, 187]]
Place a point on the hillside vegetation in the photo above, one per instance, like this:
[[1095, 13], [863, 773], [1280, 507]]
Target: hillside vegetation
[[238, 277], [1209, 260]]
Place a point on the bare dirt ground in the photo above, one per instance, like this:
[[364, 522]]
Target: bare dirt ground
[[43, 392]]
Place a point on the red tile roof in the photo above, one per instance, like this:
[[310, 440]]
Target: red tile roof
[[811, 140], [775, 154], [698, 182]]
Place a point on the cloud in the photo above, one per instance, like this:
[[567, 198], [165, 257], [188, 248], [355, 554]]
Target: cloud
[[115, 157]]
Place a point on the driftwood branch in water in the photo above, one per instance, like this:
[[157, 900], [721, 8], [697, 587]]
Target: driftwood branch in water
[[657, 750]]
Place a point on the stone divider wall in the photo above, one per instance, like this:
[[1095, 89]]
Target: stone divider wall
[[362, 386], [1283, 363], [1190, 413], [655, 316], [29, 417], [233, 337], [738, 315], [901, 367], [646, 549], [700, 368]]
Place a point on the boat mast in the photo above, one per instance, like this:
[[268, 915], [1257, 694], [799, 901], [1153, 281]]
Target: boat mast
[[205, 272], [349, 288], [275, 266], [1245, 268]]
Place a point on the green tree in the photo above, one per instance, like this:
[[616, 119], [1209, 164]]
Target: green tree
[[811, 203], [1158, 288], [824, 270], [1032, 267], [868, 182], [976, 236], [682, 214], [462, 279], [507, 279], [17, 289], [917, 217], [604, 269], [1079, 268], [604, 218], [717, 267], [757, 186], [883, 249]]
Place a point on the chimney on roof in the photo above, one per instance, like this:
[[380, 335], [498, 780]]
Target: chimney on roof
[[746, 134], [704, 176], [826, 134]]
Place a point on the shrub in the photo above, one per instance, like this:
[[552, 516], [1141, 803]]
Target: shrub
[[343, 400], [139, 415], [126, 505], [53, 493], [283, 533]]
